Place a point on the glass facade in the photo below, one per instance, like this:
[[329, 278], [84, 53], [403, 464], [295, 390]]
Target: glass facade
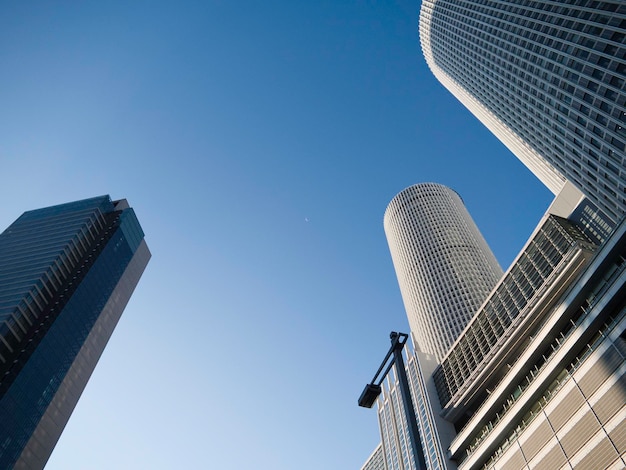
[[396, 451], [548, 78], [67, 273], [394, 429], [376, 461]]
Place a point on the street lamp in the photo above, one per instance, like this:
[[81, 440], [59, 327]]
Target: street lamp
[[373, 389]]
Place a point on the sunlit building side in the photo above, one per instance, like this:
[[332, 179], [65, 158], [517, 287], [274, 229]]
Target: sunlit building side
[[548, 78], [537, 378], [443, 264], [376, 461], [445, 271]]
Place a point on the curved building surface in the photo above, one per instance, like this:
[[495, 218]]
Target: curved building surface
[[444, 266], [548, 78]]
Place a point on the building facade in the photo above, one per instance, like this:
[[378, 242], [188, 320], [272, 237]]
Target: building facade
[[392, 420], [67, 273], [376, 461], [444, 267], [548, 78], [538, 378], [435, 433]]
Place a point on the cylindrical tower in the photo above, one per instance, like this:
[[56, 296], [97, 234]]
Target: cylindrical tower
[[548, 78], [444, 266]]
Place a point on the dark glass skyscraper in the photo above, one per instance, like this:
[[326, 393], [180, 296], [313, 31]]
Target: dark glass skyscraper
[[66, 274]]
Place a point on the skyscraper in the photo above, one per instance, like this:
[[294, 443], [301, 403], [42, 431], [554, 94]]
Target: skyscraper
[[66, 272], [537, 379], [548, 78], [444, 267], [445, 270]]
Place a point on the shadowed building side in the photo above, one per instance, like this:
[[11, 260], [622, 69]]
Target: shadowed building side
[[66, 274]]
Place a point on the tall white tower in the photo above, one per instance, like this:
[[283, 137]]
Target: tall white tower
[[445, 270], [444, 266]]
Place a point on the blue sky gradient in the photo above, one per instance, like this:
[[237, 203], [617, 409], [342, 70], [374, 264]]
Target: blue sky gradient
[[259, 143]]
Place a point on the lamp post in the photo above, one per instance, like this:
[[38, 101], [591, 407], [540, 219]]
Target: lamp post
[[372, 391]]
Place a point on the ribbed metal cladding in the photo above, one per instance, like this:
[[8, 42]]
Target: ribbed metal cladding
[[444, 266], [548, 78], [555, 244]]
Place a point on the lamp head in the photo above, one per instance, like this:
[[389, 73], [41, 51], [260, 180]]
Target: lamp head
[[369, 395]]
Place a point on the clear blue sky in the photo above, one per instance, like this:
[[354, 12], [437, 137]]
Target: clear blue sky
[[259, 143]]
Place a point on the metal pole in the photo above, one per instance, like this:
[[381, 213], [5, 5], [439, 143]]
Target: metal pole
[[409, 410]]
